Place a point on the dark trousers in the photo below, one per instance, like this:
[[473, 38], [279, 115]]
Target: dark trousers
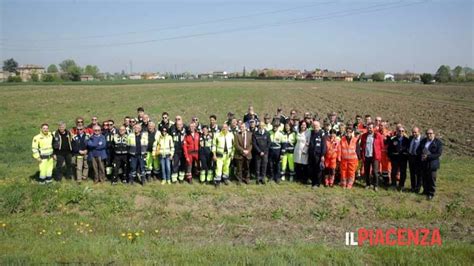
[[137, 166], [242, 171], [274, 164], [371, 170], [399, 164], [316, 171], [179, 163], [62, 158], [205, 158], [261, 166], [429, 180], [301, 171], [120, 162], [414, 162]]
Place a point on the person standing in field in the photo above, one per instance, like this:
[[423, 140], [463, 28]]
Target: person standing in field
[[94, 122], [42, 147], [62, 146], [243, 154], [430, 149], [165, 121], [120, 150], [316, 150], [288, 143], [223, 150], [191, 152], [385, 164], [137, 144], [152, 162], [205, 156], [274, 155], [178, 133], [97, 154], [348, 156], [300, 154], [398, 153], [371, 145], [79, 149], [414, 160], [330, 158], [163, 149], [261, 144]]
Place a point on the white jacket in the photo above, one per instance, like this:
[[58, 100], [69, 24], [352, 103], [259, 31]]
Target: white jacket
[[301, 147]]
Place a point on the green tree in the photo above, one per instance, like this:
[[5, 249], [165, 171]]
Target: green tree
[[10, 65], [443, 74], [91, 70], [14, 79], [34, 77], [72, 71], [254, 73], [378, 76], [426, 78], [459, 74], [362, 76], [52, 68]]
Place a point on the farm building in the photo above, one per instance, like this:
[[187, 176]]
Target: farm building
[[26, 71], [330, 75], [4, 75], [220, 74], [87, 78], [135, 77], [280, 73]]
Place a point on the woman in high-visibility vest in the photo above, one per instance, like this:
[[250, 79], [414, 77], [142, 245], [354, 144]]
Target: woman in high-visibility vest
[[163, 149], [42, 147], [348, 157]]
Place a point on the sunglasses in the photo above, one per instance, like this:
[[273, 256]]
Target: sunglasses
[[429, 133], [165, 117], [94, 119], [133, 121], [79, 122]]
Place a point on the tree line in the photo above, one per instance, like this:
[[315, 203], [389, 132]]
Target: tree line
[[68, 70]]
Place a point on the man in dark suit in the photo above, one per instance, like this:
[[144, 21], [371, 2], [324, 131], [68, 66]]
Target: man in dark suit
[[414, 160], [398, 154], [316, 151], [261, 143], [430, 149], [243, 154]]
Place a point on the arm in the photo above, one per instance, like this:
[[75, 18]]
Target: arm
[[237, 146], [254, 140], [437, 154], [172, 146], [35, 148]]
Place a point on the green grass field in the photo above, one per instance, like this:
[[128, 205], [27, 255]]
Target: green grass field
[[196, 224]]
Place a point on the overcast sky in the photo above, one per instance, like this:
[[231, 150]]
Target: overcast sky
[[201, 36]]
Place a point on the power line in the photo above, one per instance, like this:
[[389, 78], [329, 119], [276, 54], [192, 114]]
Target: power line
[[352, 12], [174, 27]]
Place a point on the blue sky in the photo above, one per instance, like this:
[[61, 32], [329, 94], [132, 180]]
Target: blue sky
[[201, 36]]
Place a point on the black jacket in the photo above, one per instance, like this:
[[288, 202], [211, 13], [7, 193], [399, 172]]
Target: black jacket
[[317, 145], [396, 150], [62, 142], [434, 151], [261, 142], [79, 142]]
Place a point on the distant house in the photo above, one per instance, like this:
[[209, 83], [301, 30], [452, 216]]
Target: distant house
[[220, 74], [205, 76], [280, 73], [4, 75], [87, 78], [135, 77], [26, 71], [389, 77], [330, 75]]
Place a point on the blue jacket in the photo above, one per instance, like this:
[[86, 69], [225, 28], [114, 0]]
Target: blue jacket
[[97, 147]]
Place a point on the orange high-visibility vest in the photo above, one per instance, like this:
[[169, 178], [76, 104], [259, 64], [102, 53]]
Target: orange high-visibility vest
[[348, 151]]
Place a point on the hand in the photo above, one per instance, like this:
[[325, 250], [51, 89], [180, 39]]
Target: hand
[[246, 152], [214, 158], [262, 153], [38, 159], [54, 157]]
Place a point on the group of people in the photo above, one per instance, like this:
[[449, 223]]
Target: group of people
[[315, 150]]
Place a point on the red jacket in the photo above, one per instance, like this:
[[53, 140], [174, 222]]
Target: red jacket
[[191, 145], [378, 145]]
